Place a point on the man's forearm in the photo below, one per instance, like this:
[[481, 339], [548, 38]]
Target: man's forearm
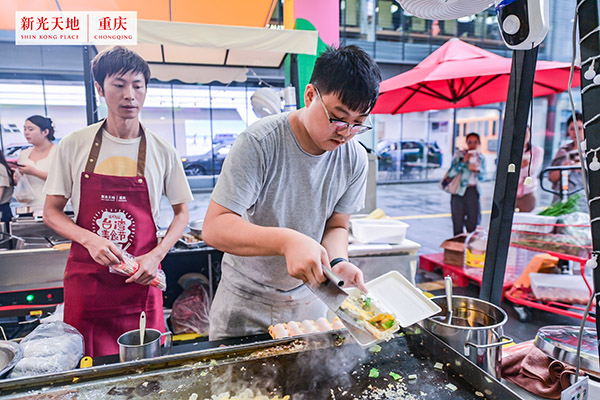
[[335, 240], [65, 227]]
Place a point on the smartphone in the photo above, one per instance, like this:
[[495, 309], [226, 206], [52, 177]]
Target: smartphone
[[574, 155]]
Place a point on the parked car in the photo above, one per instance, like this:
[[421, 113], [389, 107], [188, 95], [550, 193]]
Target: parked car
[[409, 154], [206, 164]]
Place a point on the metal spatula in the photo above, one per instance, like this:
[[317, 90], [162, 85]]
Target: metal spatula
[[330, 293]]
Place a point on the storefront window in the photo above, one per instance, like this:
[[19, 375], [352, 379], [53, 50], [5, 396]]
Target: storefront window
[[201, 122], [64, 102]]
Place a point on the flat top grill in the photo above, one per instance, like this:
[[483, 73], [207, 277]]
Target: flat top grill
[[323, 366]]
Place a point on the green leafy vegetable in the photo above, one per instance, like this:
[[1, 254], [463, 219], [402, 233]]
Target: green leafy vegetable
[[375, 348], [562, 207], [388, 324], [367, 303], [374, 373], [395, 376]]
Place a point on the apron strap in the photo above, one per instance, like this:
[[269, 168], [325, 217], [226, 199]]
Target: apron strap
[[90, 165]]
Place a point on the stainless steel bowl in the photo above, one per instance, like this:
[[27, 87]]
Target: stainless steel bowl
[[10, 354], [196, 228]]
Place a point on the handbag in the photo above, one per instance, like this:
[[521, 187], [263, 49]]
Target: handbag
[[451, 185], [23, 191]]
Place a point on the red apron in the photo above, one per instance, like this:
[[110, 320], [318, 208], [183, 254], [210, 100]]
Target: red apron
[[99, 303]]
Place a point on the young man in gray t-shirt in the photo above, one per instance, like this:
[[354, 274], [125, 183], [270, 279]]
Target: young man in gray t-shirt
[[281, 206]]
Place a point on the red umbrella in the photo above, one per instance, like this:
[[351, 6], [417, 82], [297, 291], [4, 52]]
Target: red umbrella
[[462, 75]]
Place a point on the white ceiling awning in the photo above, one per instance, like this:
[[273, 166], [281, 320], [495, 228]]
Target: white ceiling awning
[[198, 73], [194, 53]]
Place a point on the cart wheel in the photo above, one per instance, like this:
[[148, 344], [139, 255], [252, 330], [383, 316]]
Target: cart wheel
[[523, 314]]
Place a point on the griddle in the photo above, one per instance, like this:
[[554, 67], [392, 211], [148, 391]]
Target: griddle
[[321, 366]]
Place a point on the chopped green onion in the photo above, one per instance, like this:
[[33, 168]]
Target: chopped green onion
[[367, 303], [388, 324], [375, 349], [374, 373], [395, 376]]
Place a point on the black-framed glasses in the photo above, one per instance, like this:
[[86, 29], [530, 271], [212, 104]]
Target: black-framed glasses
[[337, 125]]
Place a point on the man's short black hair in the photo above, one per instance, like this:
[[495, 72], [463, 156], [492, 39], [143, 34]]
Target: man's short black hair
[[118, 60], [474, 134], [578, 116], [349, 73]]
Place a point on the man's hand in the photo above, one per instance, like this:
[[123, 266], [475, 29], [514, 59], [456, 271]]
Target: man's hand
[[103, 251], [350, 274], [304, 258], [148, 269]]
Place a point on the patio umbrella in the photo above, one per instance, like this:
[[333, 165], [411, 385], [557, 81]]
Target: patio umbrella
[[460, 75]]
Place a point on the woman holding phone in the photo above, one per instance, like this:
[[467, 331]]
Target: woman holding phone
[[34, 162]]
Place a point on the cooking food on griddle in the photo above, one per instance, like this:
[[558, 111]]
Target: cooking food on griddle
[[369, 313], [293, 328], [247, 394]]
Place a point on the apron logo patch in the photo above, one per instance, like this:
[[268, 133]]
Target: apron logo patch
[[112, 197], [116, 225]]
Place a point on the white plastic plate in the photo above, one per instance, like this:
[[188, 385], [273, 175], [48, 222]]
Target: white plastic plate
[[407, 302], [403, 299]]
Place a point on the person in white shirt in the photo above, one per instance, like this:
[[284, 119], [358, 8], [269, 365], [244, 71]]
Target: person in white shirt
[[115, 172], [34, 162]]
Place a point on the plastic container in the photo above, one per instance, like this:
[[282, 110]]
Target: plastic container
[[475, 246], [528, 222], [400, 297], [569, 289], [379, 230]]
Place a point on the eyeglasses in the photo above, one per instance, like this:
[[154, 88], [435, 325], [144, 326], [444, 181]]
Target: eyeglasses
[[337, 125]]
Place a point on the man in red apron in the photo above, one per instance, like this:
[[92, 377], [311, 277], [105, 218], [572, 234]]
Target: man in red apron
[[114, 172]]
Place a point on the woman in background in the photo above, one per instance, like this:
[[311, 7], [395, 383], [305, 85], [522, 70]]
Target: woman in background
[[35, 161], [465, 207], [7, 185], [533, 157]]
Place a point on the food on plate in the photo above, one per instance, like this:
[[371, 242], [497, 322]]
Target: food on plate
[[369, 314], [190, 238]]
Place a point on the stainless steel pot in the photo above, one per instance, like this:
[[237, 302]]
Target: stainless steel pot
[[130, 348], [474, 331]]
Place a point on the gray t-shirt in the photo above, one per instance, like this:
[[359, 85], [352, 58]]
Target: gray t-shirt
[[270, 180]]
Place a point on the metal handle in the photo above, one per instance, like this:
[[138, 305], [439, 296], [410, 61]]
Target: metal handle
[[332, 277], [168, 342], [448, 286], [558, 168], [487, 346]]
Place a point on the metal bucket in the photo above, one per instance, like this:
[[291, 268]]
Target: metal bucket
[[475, 330]]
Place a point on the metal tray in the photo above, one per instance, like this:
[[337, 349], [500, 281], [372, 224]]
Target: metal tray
[[321, 366], [560, 342]]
